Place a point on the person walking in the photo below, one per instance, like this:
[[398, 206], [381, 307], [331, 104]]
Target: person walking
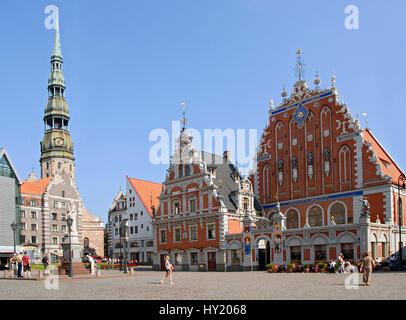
[[168, 272], [45, 262], [19, 260], [26, 265], [340, 262], [367, 266]]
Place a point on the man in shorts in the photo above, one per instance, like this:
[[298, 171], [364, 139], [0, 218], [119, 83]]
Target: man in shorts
[[26, 265]]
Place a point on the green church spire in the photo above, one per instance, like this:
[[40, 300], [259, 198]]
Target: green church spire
[[57, 53]]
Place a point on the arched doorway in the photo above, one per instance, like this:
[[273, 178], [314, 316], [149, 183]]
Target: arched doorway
[[264, 253]]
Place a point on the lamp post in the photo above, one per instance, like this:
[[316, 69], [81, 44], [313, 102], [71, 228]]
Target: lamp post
[[69, 222], [124, 227], [400, 213], [14, 228]]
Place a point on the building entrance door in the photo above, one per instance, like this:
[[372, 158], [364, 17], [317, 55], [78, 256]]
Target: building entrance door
[[163, 261], [211, 259], [264, 256]]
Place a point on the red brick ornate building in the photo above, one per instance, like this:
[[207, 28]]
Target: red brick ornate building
[[204, 199], [317, 161]]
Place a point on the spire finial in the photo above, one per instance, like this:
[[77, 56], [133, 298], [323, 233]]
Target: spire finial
[[57, 42], [299, 65], [270, 103], [333, 80], [184, 120], [317, 81]]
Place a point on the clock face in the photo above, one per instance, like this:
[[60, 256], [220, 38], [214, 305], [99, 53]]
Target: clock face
[[59, 141]]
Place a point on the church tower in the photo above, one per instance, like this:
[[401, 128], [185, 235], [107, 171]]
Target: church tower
[[56, 145]]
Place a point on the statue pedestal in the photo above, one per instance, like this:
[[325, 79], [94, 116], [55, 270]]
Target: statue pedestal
[[77, 268]]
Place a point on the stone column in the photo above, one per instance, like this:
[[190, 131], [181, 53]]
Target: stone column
[[364, 233]]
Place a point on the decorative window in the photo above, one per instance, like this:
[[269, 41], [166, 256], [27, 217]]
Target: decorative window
[[245, 204], [337, 211], [22, 213], [177, 235], [33, 203], [292, 219], [211, 231], [33, 215], [193, 258], [192, 203], [54, 227], [193, 233], [315, 217], [176, 207], [162, 236]]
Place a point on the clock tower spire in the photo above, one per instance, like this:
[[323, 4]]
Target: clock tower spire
[[56, 145]]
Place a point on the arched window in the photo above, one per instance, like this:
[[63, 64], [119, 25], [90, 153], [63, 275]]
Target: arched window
[[315, 217], [266, 184], [180, 171], [187, 169], [292, 219], [86, 242], [345, 168], [337, 211]]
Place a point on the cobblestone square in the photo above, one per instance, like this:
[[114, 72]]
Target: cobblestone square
[[211, 286]]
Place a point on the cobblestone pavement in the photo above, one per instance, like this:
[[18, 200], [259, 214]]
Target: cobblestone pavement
[[211, 285]]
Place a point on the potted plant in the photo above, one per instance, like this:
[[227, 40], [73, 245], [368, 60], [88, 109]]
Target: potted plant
[[289, 267], [269, 267], [306, 268], [322, 267]]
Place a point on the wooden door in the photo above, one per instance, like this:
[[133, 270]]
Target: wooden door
[[211, 259]]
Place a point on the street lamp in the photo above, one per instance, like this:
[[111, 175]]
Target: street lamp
[[14, 228], [69, 222], [400, 213], [124, 228]]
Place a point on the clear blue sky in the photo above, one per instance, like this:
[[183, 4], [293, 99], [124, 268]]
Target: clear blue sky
[[129, 64]]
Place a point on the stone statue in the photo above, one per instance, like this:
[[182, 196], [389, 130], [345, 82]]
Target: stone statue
[[280, 164], [326, 154], [153, 211], [294, 162], [73, 214], [310, 158], [365, 210]]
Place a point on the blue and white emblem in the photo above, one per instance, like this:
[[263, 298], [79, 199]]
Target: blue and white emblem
[[300, 115]]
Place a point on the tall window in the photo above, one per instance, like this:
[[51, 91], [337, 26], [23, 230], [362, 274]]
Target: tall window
[[292, 219], [187, 169], [33, 239], [180, 171], [33, 214], [54, 227], [163, 236], [266, 175], [337, 211], [54, 216], [176, 207], [178, 235], [33, 203], [211, 231], [192, 205], [193, 233], [315, 217]]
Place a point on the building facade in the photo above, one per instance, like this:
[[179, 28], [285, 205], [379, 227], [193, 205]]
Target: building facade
[[136, 207], [46, 202], [9, 206], [204, 199], [316, 168]]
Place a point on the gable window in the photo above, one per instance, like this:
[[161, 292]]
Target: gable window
[[162, 235], [176, 207], [177, 235], [211, 231], [33, 203], [193, 233], [192, 203]]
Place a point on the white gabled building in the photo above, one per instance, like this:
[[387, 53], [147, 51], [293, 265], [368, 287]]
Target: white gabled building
[[136, 206]]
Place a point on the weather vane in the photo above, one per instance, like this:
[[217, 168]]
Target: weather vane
[[299, 69], [184, 120]]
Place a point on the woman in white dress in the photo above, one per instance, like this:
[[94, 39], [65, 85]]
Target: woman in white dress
[[168, 272]]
